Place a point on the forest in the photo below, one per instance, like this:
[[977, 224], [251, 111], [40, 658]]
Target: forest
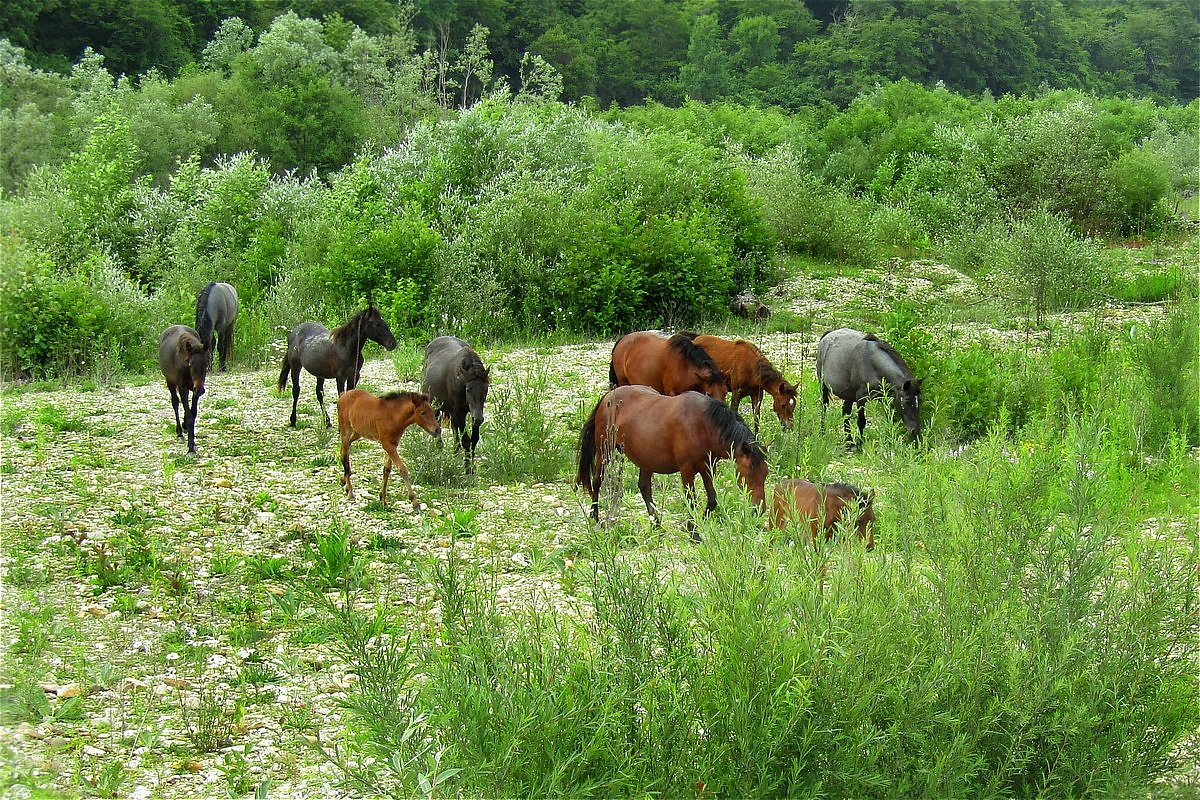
[[1004, 191]]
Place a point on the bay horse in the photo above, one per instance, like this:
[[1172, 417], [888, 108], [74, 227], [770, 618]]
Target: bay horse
[[663, 435], [669, 365], [856, 366], [216, 312], [454, 377], [749, 374], [820, 507], [333, 354], [184, 361], [362, 415]]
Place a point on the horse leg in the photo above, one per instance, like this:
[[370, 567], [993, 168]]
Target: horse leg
[[471, 450], [756, 406], [357, 372], [862, 419], [348, 438], [341, 386], [175, 406], [192, 421], [226, 346], [597, 479], [847, 410], [394, 457], [321, 401], [295, 392], [646, 487]]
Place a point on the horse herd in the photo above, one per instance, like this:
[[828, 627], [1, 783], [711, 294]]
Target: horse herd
[[665, 410]]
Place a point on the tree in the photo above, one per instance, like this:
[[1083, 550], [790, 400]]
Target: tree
[[705, 76]]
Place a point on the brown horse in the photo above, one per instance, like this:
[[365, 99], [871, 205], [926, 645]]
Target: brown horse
[[333, 353], [362, 415], [668, 365], [749, 373], [184, 361], [822, 506], [664, 435]]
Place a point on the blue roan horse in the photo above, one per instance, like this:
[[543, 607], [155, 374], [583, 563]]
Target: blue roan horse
[[857, 366], [216, 311]]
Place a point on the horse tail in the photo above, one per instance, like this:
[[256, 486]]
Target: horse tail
[[204, 323], [283, 373], [587, 450], [824, 393], [612, 375]]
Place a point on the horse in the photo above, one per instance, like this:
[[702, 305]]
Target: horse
[[333, 354], [749, 373], [822, 506], [216, 311], [663, 435], [454, 376], [362, 415], [855, 367], [184, 361], [668, 365]]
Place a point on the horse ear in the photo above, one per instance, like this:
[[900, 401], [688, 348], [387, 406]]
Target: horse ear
[[865, 500], [193, 346], [909, 387]]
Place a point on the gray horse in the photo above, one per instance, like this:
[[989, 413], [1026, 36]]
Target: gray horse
[[333, 354], [857, 366], [457, 380], [216, 311]]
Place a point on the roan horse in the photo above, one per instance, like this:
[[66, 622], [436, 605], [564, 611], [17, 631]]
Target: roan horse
[[668, 365], [332, 354], [362, 415], [216, 311], [184, 361], [749, 373], [455, 378], [663, 435], [820, 507], [855, 367]]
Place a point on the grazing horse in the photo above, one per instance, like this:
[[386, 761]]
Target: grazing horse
[[749, 373], [668, 365], [855, 367], [455, 377], [664, 435], [184, 361], [822, 506], [333, 354], [216, 311], [362, 415]]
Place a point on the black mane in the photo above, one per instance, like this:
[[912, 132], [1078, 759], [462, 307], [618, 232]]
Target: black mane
[[352, 324], [694, 353], [731, 428], [204, 323], [891, 351], [847, 487], [472, 367]]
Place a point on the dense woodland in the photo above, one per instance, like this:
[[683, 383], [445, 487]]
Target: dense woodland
[[423, 157]]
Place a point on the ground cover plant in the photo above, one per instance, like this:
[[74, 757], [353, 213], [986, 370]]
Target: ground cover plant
[[229, 624]]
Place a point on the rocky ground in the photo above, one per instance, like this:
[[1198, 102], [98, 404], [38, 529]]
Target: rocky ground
[[149, 615]]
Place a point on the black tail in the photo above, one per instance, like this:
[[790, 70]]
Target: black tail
[[612, 375], [204, 324], [283, 373], [587, 450]]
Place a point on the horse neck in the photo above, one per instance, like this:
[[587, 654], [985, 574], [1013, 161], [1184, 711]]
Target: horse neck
[[888, 369]]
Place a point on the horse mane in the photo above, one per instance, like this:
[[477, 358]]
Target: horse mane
[[856, 492], [204, 323], [472, 367], [733, 429], [891, 351], [341, 332], [694, 353], [765, 371], [415, 397]]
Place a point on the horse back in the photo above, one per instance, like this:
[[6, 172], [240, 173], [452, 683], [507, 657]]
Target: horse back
[[737, 359], [638, 359], [442, 356], [171, 360], [840, 363]]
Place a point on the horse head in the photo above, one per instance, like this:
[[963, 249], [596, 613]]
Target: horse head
[[375, 328], [476, 379], [907, 399], [197, 358], [751, 464], [785, 404], [425, 416], [714, 384]]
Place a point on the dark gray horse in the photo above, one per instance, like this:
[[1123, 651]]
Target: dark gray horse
[[216, 311], [184, 361], [457, 380], [333, 354], [857, 366]]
